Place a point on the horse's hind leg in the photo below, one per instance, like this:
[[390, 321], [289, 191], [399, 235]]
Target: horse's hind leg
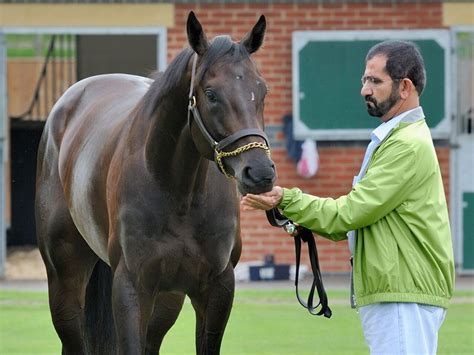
[[69, 263], [68, 259], [167, 308], [212, 312]]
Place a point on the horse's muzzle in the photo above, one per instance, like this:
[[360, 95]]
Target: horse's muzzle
[[257, 178]]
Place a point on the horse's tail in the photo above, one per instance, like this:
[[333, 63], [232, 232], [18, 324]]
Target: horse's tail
[[99, 325]]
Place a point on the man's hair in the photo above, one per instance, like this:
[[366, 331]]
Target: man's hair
[[404, 60]]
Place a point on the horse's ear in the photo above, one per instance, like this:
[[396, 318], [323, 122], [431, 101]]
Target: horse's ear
[[254, 39], [196, 36]]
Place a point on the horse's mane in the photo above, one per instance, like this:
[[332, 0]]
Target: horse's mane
[[221, 49], [156, 74], [166, 82]]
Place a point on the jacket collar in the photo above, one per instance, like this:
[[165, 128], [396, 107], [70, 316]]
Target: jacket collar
[[384, 130]]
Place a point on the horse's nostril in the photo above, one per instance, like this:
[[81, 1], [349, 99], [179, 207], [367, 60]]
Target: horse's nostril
[[248, 174], [259, 175]]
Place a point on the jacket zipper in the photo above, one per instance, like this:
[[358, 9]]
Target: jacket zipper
[[352, 297]]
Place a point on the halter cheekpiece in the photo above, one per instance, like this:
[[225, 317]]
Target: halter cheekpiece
[[218, 147]]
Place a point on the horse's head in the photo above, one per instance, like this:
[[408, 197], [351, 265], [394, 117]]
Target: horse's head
[[226, 106]]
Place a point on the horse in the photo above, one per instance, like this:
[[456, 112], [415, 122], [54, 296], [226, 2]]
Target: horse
[[137, 196]]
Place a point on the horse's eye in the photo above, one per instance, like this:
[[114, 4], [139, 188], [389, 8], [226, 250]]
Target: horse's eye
[[211, 96]]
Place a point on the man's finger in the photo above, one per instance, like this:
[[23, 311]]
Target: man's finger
[[255, 203], [262, 201]]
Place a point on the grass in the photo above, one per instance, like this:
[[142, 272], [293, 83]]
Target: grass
[[262, 322]]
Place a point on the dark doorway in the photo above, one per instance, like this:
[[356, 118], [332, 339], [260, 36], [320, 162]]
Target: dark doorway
[[25, 137], [101, 54]]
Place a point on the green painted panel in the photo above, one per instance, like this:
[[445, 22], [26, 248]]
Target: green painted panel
[[329, 84], [468, 230]]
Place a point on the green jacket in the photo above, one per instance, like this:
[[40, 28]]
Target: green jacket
[[403, 250]]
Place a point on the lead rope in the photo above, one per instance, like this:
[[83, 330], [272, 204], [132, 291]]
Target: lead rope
[[276, 219]]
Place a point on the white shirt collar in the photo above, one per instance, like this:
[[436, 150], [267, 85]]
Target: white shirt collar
[[382, 131]]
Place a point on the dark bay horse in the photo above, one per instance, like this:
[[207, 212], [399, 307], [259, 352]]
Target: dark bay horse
[[132, 212]]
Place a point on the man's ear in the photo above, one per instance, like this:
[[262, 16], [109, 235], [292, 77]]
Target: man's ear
[[406, 88]]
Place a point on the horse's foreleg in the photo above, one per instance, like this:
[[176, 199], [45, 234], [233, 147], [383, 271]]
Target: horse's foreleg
[[212, 312], [166, 311], [132, 311]]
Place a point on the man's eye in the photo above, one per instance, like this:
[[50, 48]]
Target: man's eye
[[211, 96], [371, 80]]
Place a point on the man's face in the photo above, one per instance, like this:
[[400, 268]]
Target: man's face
[[378, 89]]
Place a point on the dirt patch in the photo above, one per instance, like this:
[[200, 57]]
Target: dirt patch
[[24, 263]]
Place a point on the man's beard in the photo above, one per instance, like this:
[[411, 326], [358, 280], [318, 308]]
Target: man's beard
[[380, 109]]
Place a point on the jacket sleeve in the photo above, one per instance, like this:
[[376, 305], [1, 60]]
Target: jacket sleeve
[[385, 186]]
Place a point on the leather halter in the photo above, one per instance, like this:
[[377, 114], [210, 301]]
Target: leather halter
[[219, 146]]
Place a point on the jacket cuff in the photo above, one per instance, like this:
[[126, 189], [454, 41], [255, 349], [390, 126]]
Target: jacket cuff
[[288, 195]]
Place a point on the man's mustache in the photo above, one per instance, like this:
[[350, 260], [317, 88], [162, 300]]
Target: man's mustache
[[369, 98]]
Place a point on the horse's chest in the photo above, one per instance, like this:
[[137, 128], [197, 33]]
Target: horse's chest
[[209, 240], [182, 254]]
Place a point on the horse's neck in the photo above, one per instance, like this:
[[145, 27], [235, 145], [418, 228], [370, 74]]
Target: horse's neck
[[189, 169], [170, 153]]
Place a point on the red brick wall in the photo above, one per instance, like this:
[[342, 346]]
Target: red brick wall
[[337, 164]]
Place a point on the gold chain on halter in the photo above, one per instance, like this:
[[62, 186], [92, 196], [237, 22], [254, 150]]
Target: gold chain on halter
[[221, 155]]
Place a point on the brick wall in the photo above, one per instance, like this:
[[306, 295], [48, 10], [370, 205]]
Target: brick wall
[[338, 164]]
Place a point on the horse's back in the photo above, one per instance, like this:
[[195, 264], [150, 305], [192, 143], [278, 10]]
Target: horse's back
[[102, 98], [79, 140]]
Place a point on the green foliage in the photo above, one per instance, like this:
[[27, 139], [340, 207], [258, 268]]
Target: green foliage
[[35, 45], [262, 322]]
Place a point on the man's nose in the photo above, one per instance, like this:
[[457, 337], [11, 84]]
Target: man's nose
[[365, 90]]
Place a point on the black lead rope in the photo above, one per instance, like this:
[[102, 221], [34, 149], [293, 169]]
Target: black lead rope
[[276, 219]]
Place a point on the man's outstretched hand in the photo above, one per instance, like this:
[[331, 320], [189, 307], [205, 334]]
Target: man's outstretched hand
[[265, 201]]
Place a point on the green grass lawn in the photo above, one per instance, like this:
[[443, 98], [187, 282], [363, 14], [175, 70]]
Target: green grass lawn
[[262, 322]]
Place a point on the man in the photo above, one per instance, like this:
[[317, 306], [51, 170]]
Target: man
[[403, 268]]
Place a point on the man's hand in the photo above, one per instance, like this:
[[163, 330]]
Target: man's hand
[[265, 201]]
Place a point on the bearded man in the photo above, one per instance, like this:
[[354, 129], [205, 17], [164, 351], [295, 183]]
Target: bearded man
[[395, 217]]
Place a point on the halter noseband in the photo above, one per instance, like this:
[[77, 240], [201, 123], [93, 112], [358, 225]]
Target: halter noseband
[[218, 147]]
